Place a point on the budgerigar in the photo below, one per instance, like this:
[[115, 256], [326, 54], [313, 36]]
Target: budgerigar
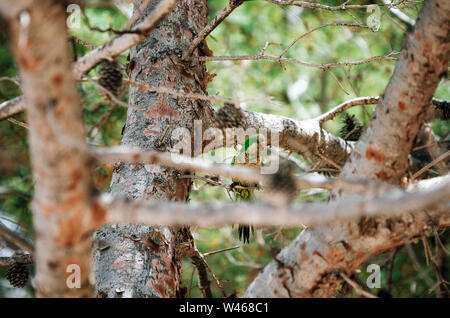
[[250, 156]]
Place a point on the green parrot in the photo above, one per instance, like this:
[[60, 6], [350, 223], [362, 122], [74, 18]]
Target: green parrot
[[250, 156]]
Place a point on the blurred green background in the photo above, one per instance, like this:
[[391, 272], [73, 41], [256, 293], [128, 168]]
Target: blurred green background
[[299, 92]]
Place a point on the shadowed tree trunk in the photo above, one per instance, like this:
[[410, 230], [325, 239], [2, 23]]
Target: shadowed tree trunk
[[138, 260]]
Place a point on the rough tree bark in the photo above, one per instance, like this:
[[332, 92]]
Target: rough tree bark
[[62, 207], [137, 260], [309, 265]]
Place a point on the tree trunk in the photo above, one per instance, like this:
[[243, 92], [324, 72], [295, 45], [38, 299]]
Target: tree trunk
[[137, 260], [62, 209]]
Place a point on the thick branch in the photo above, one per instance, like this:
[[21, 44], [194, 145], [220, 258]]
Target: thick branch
[[305, 137], [15, 238], [20, 259], [12, 107], [391, 203], [251, 175]]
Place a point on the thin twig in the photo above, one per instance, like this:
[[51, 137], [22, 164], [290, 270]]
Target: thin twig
[[356, 286], [440, 243], [431, 164], [320, 27], [233, 4], [84, 43], [417, 266], [346, 105], [101, 121], [221, 250], [294, 61], [11, 79], [121, 43], [338, 81], [137, 15], [19, 123], [389, 269], [110, 94], [344, 6]]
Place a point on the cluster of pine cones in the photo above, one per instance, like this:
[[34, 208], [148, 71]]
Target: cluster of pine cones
[[110, 76], [17, 275]]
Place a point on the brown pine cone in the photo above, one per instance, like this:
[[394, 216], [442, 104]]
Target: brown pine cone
[[110, 76], [17, 275], [352, 129], [229, 116], [282, 186]]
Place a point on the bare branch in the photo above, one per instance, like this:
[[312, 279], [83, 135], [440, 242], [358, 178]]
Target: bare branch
[[12, 107], [19, 259], [221, 251], [390, 203], [125, 41], [137, 15], [15, 238], [233, 4], [325, 66], [431, 164], [346, 105], [399, 14], [125, 154], [344, 6], [356, 286]]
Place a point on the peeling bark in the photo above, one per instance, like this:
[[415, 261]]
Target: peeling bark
[[138, 260]]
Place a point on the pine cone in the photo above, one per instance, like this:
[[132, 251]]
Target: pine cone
[[352, 129], [229, 116], [17, 275], [110, 76], [444, 107], [282, 186]]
